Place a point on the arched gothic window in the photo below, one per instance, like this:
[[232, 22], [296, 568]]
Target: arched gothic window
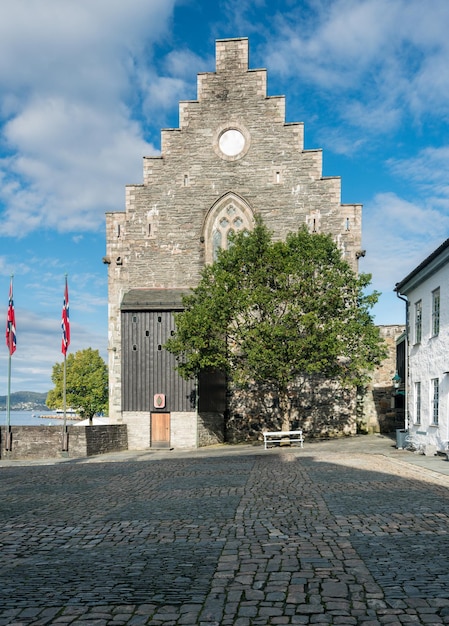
[[231, 214]]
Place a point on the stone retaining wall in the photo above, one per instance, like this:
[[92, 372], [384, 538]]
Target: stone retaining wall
[[378, 412], [45, 442]]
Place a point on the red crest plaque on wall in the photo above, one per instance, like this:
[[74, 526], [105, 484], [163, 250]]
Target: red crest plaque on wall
[[159, 401]]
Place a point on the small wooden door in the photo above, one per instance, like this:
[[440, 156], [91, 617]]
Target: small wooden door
[[160, 430]]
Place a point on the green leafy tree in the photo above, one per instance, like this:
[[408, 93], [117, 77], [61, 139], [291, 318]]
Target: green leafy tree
[[86, 384], [270, 312]]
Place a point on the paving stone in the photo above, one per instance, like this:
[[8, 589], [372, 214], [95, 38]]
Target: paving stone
[[247, 611], [334, 590]]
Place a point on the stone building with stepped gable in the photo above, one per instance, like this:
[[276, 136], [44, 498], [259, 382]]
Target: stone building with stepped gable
[[233, 157]]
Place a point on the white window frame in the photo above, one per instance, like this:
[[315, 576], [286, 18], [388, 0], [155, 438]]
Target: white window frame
[[435, 401], [436, 301], [418, 321], [418, 402]]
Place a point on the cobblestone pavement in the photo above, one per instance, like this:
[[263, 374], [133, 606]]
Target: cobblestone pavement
[[349, 532]]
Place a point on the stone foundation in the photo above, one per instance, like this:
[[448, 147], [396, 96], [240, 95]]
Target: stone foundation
[[138, 424], [183, 430]]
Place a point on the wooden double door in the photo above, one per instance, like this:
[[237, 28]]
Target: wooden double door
[[160, 430]]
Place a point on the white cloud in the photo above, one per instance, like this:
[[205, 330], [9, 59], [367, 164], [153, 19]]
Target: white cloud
[[40, 286], [240, 16], [398, 235], [71, 45], [428, 169], [179, 63], [82, 87], [72, 167], [389, 56], [333, 44], [160, 93], [68, 133], [39, 348]]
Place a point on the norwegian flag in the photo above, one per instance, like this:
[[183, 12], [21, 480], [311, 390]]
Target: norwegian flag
[[11, 340], [65, 325]]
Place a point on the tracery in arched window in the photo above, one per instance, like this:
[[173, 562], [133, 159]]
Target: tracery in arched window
[[230, 215]]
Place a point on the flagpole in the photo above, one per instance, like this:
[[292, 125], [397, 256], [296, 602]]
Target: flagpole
[[64, 407], [8, 397], [11, 348], [8, 408], [65, 345]]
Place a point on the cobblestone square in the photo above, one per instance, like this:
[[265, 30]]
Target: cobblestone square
[[339, 532]]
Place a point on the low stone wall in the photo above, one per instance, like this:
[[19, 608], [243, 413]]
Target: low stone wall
[[377, 411], [45, 442], [104, 438]]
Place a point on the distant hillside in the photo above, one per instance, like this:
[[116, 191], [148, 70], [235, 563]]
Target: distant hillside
[[25, 401]]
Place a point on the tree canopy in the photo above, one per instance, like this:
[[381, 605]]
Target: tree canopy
[[86, 384], [268, 312]]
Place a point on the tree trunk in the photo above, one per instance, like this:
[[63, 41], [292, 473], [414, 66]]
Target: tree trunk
[[285, 406]]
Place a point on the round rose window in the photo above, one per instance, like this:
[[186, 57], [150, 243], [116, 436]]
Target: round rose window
[[231, 142]]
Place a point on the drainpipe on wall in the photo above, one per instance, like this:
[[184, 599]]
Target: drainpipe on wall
[[406, 359]]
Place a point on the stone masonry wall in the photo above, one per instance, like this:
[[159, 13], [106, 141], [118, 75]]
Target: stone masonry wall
[[183, 430], [210, 429], [321, 408], [102, 439], [159, 240], [139, 434], [378, 414], [45, 442]]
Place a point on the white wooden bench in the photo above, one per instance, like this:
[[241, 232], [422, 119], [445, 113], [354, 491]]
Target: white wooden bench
[[293, 436]]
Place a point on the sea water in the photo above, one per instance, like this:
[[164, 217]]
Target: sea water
[[32, 418]]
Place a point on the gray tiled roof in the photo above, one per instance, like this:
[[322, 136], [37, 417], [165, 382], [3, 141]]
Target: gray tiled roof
[[153, 299]]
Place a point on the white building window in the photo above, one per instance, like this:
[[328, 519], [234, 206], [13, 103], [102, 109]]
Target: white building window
[[436, 312], [418, 403], [435, 390], [418, 321]]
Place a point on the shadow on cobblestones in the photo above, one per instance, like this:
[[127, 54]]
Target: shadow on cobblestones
[[287, 536]]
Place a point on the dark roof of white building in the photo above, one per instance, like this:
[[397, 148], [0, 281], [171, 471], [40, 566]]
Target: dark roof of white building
[[429, 266]]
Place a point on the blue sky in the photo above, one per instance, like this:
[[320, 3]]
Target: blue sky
[[86, 86]]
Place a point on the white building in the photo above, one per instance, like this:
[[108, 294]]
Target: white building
[[426, 291]]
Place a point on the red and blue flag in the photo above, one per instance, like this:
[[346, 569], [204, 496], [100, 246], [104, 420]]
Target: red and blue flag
[[65, 322], [11, 339]]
